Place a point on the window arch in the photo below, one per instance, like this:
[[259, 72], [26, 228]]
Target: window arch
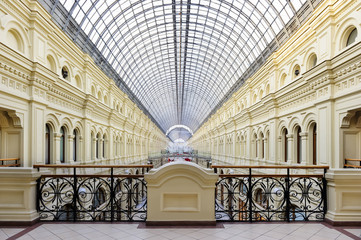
[[65, 73], [51, 63], [93, 91], [92, 150], [296, 71], [285, 144], [314, 143], [62, 144], [262, 146], [298, 144], [97, 145], [255, 145], [48, 143], [100, 96], [351, 37], [14, 40], [283, 80], [267, 89], [104, 146], [99, 198], [78, 81], [312, 61], [254, 98], [267, 145], [75, 145]]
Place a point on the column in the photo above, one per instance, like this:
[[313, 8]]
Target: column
[[304, 149], [70, 146], [290, 150], [93, 150], [266, 149], [56, 152]]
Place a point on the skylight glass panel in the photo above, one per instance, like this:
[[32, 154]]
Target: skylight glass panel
[[284, 15], [67, 4], [146, 47], [297, 4], [85, 5]]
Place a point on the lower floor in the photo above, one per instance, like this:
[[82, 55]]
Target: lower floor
[[137, 231]]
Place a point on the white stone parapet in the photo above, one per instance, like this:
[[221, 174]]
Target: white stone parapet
[[181, 192]]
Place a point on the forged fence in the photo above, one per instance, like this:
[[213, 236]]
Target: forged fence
[[238, 197], [81, 197], [279, 197]]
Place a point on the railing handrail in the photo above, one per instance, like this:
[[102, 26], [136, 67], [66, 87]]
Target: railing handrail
[[351, 166], [272, 166], [90, 166], [94, 175], [16, 164], [270, 175], [346, 159], [9, 159]]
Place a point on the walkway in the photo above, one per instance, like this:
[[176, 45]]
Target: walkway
[[137, 231]]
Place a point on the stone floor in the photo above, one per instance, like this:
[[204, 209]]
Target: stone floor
[[136, 231]]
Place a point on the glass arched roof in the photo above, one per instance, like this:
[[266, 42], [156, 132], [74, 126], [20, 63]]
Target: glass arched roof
[[179, 60]]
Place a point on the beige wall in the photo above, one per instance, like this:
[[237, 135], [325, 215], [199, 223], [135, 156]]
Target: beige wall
[[33, 93]]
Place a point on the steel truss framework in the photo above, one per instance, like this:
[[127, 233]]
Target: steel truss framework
[[179, 60]]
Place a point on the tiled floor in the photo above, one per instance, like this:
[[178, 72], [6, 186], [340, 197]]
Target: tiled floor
[[136, 231]]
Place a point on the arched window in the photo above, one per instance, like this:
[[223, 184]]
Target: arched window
[[75, 146], [259, 196], [352, 37], [255, 145], [285, 144], [14, 40], [62, 144], [314, 145], [92, 145], [51, 63], [93, 91], [283, 80], [66, 212], [267, 146], [299, 144], [65, 73], [97, 146], [47, 144], [78, 81], [267, 89], [262, 146], [312, 61], [296, 71], [104, 145], [99, 198]]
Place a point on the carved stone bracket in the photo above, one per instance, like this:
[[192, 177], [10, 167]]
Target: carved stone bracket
[[345, 119]]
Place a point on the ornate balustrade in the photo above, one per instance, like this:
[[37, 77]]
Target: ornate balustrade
[[92, 197], [271, 197]]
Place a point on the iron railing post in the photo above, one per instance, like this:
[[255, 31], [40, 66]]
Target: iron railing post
[[130, 199], [75, 195], [250, 195], [38, 194], [324, 192], [287, 195], [230, 199], [112, 195]]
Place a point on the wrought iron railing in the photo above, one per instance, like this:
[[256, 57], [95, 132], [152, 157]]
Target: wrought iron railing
[[82, 197], [265, 197]]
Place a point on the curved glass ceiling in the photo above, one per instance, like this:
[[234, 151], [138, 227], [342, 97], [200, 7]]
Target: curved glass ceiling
[[181, 59]]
